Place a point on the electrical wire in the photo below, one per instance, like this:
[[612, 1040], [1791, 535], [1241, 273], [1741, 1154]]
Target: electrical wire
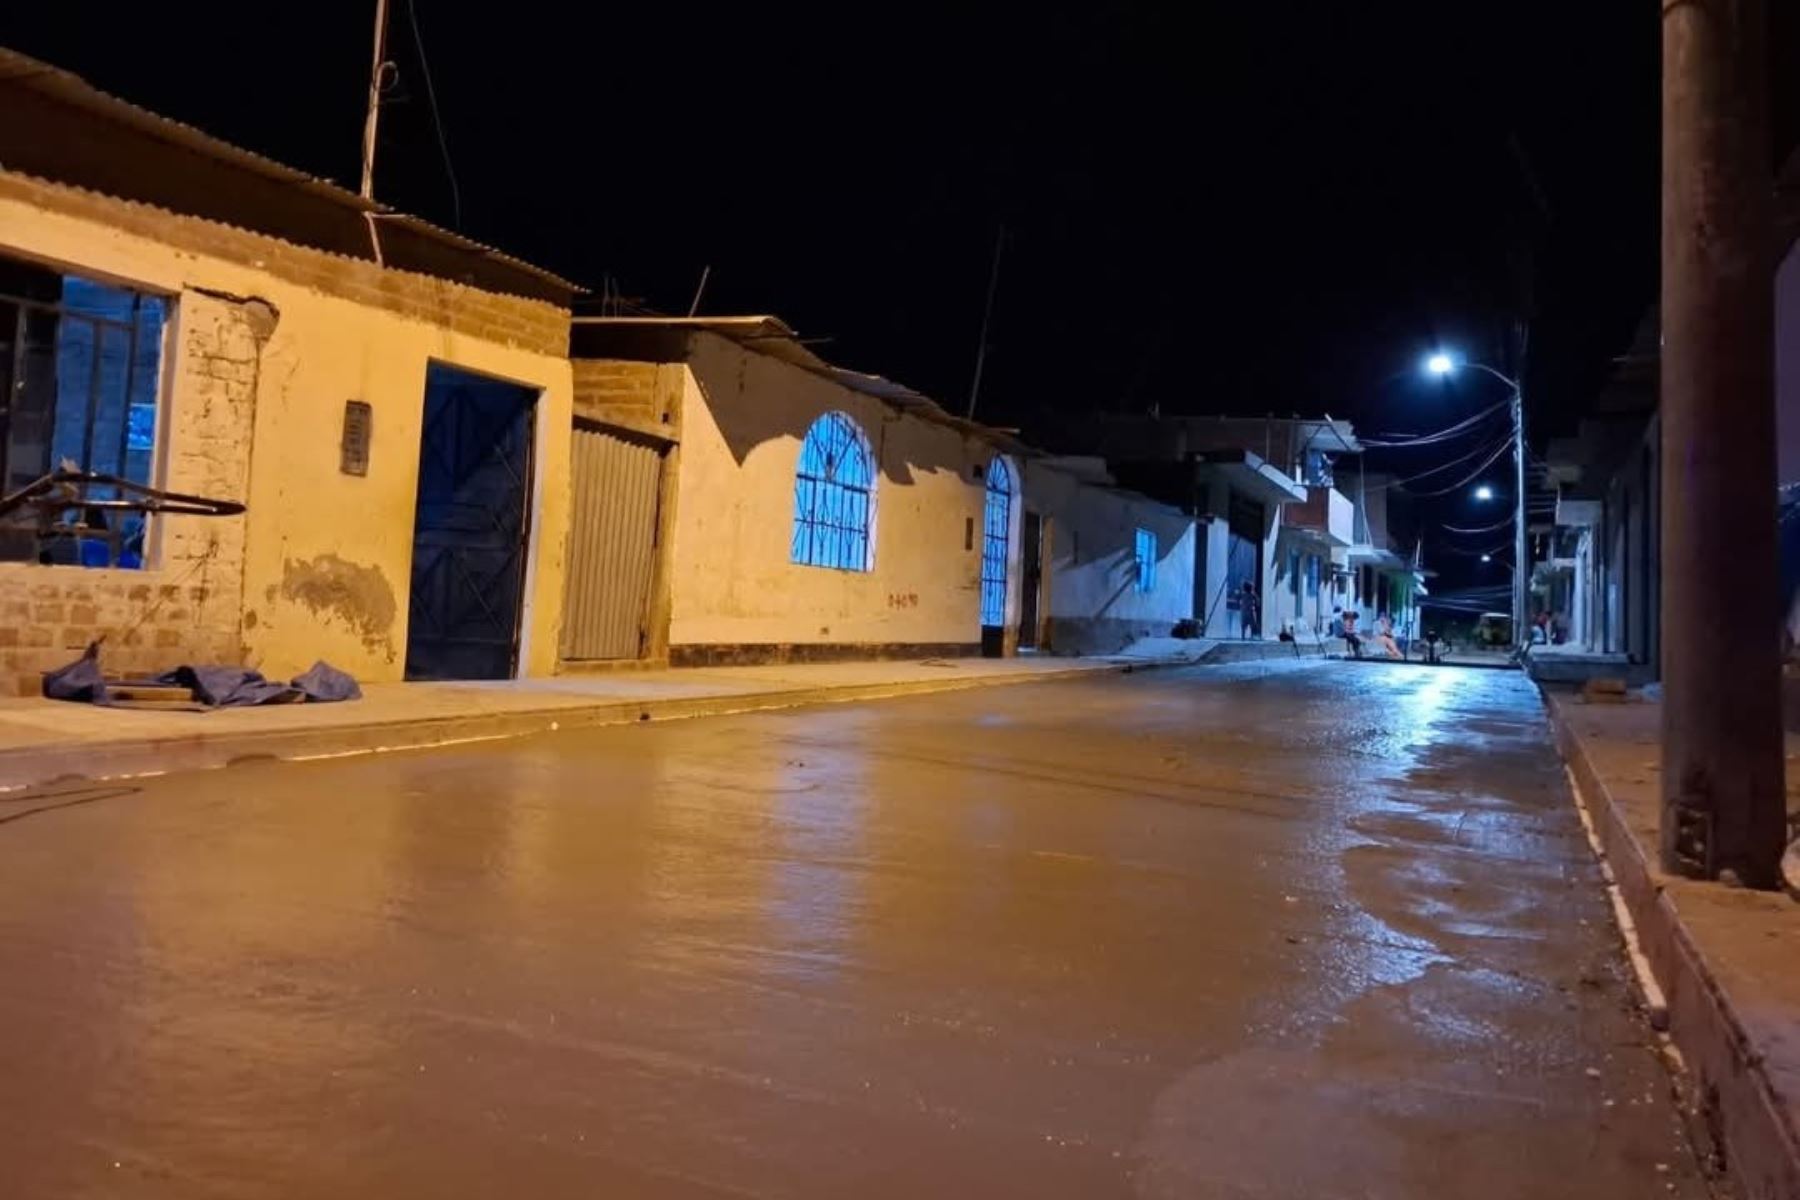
[[1472, 475], [1496, 527], [1455, 462], [1398, 441], [437, 121]]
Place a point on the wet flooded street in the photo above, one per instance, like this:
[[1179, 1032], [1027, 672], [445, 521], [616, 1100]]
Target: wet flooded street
[[1270, 931]]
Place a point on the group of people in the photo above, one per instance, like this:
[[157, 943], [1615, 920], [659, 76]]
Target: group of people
[[1343, 625]]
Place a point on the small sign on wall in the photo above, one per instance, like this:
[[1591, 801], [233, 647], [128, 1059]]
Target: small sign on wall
[[359, 423]]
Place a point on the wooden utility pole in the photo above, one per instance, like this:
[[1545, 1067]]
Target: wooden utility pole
[[372, 117], [1723, 799]]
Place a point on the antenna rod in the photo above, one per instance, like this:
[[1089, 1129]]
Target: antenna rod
[[375, 66], [987, 314]]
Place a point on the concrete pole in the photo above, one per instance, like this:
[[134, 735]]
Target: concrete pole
[[1723, 800]]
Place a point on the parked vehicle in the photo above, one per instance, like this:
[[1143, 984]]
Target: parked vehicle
[[1494, 629]]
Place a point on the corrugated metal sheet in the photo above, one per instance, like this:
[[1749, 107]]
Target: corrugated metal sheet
[[612, 544]]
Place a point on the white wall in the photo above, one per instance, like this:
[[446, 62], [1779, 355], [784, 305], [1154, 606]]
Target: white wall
[[1090, 557], [731, 581]]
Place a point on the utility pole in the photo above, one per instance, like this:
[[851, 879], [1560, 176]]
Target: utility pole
[[1723, 795], [376, 67], [1521, 604], [987, 315]]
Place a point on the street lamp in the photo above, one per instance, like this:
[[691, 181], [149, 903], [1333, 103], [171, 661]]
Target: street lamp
[[1442, 364], [1487, 558]]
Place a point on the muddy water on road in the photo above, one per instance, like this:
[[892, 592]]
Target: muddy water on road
[[1245, 932]]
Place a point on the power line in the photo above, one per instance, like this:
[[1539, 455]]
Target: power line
[[412, 18], [1457, 461], [1399, 441], [1473, 475], [1496, 527]]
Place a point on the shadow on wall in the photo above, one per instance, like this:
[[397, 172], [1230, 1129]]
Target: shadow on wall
[[755, 398]]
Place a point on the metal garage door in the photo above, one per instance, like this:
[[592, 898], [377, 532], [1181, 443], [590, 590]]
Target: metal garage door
[[612, 543]]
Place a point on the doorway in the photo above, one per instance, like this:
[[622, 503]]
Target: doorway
[[470, 531], [1243, 565], [617, 480], [1031, 578]]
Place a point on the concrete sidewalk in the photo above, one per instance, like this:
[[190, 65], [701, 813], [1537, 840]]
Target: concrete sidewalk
[[1727, 959], [42, 741]]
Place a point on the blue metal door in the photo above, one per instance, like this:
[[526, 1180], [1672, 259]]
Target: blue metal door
[[468, 570]]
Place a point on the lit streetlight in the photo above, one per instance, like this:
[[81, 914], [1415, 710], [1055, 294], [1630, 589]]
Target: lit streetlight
[[1442, 364], [1487, 558]]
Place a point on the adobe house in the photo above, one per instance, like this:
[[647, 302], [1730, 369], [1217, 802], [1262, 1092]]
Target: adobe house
[[741, 500], [389, 400]]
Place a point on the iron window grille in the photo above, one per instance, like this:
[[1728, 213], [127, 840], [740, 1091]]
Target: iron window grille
[[834, 497], [80, 364], [996, 525], [1145, 549]]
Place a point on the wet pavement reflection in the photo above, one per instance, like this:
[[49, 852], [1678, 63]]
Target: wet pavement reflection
[[1273, 930]]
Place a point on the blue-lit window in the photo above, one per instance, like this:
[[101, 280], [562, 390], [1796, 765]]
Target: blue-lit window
[[79, 363], [834, 497], [1145, 552], [996, 524]]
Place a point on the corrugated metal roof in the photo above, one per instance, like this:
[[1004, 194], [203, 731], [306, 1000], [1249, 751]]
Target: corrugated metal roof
[[773, 337], [65, 88]]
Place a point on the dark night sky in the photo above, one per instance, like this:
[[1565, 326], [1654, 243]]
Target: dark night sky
[[1246, 208]]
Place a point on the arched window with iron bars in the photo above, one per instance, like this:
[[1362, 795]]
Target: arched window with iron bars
[[996, 527], [834, 497]]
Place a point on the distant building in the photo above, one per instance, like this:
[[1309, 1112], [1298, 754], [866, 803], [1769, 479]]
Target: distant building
[[1290, 538]]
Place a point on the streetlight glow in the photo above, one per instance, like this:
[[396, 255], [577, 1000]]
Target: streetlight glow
[[1487, 558], [1439, 364], [1484, 492]]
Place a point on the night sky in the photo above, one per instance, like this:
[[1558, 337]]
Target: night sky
[[1247, 208]]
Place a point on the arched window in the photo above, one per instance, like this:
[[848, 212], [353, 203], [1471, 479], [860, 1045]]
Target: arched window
[[834, 497], [996, 525]]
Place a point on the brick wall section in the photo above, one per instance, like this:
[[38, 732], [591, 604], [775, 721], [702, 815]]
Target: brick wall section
[[186, 607], [645, 397], [509, 320]]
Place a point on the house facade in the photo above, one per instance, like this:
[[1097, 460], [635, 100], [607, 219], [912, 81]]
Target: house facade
[[194, 318], [804, 512]]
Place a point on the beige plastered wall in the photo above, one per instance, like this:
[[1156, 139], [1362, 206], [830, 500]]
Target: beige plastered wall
[[323, 558], [731, 581]]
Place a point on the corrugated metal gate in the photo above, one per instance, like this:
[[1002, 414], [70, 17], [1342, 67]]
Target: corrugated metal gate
[[612, 543]]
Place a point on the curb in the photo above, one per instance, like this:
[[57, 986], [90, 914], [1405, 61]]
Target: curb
[[1736, 1103], [135, 757]]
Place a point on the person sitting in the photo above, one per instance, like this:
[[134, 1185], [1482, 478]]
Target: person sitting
[[1384, 636], [1349, 633]]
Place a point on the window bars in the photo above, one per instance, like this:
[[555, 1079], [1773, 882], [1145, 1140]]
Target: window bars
[[79, 363], [834, 497], [996, 525], [1146, 560]]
